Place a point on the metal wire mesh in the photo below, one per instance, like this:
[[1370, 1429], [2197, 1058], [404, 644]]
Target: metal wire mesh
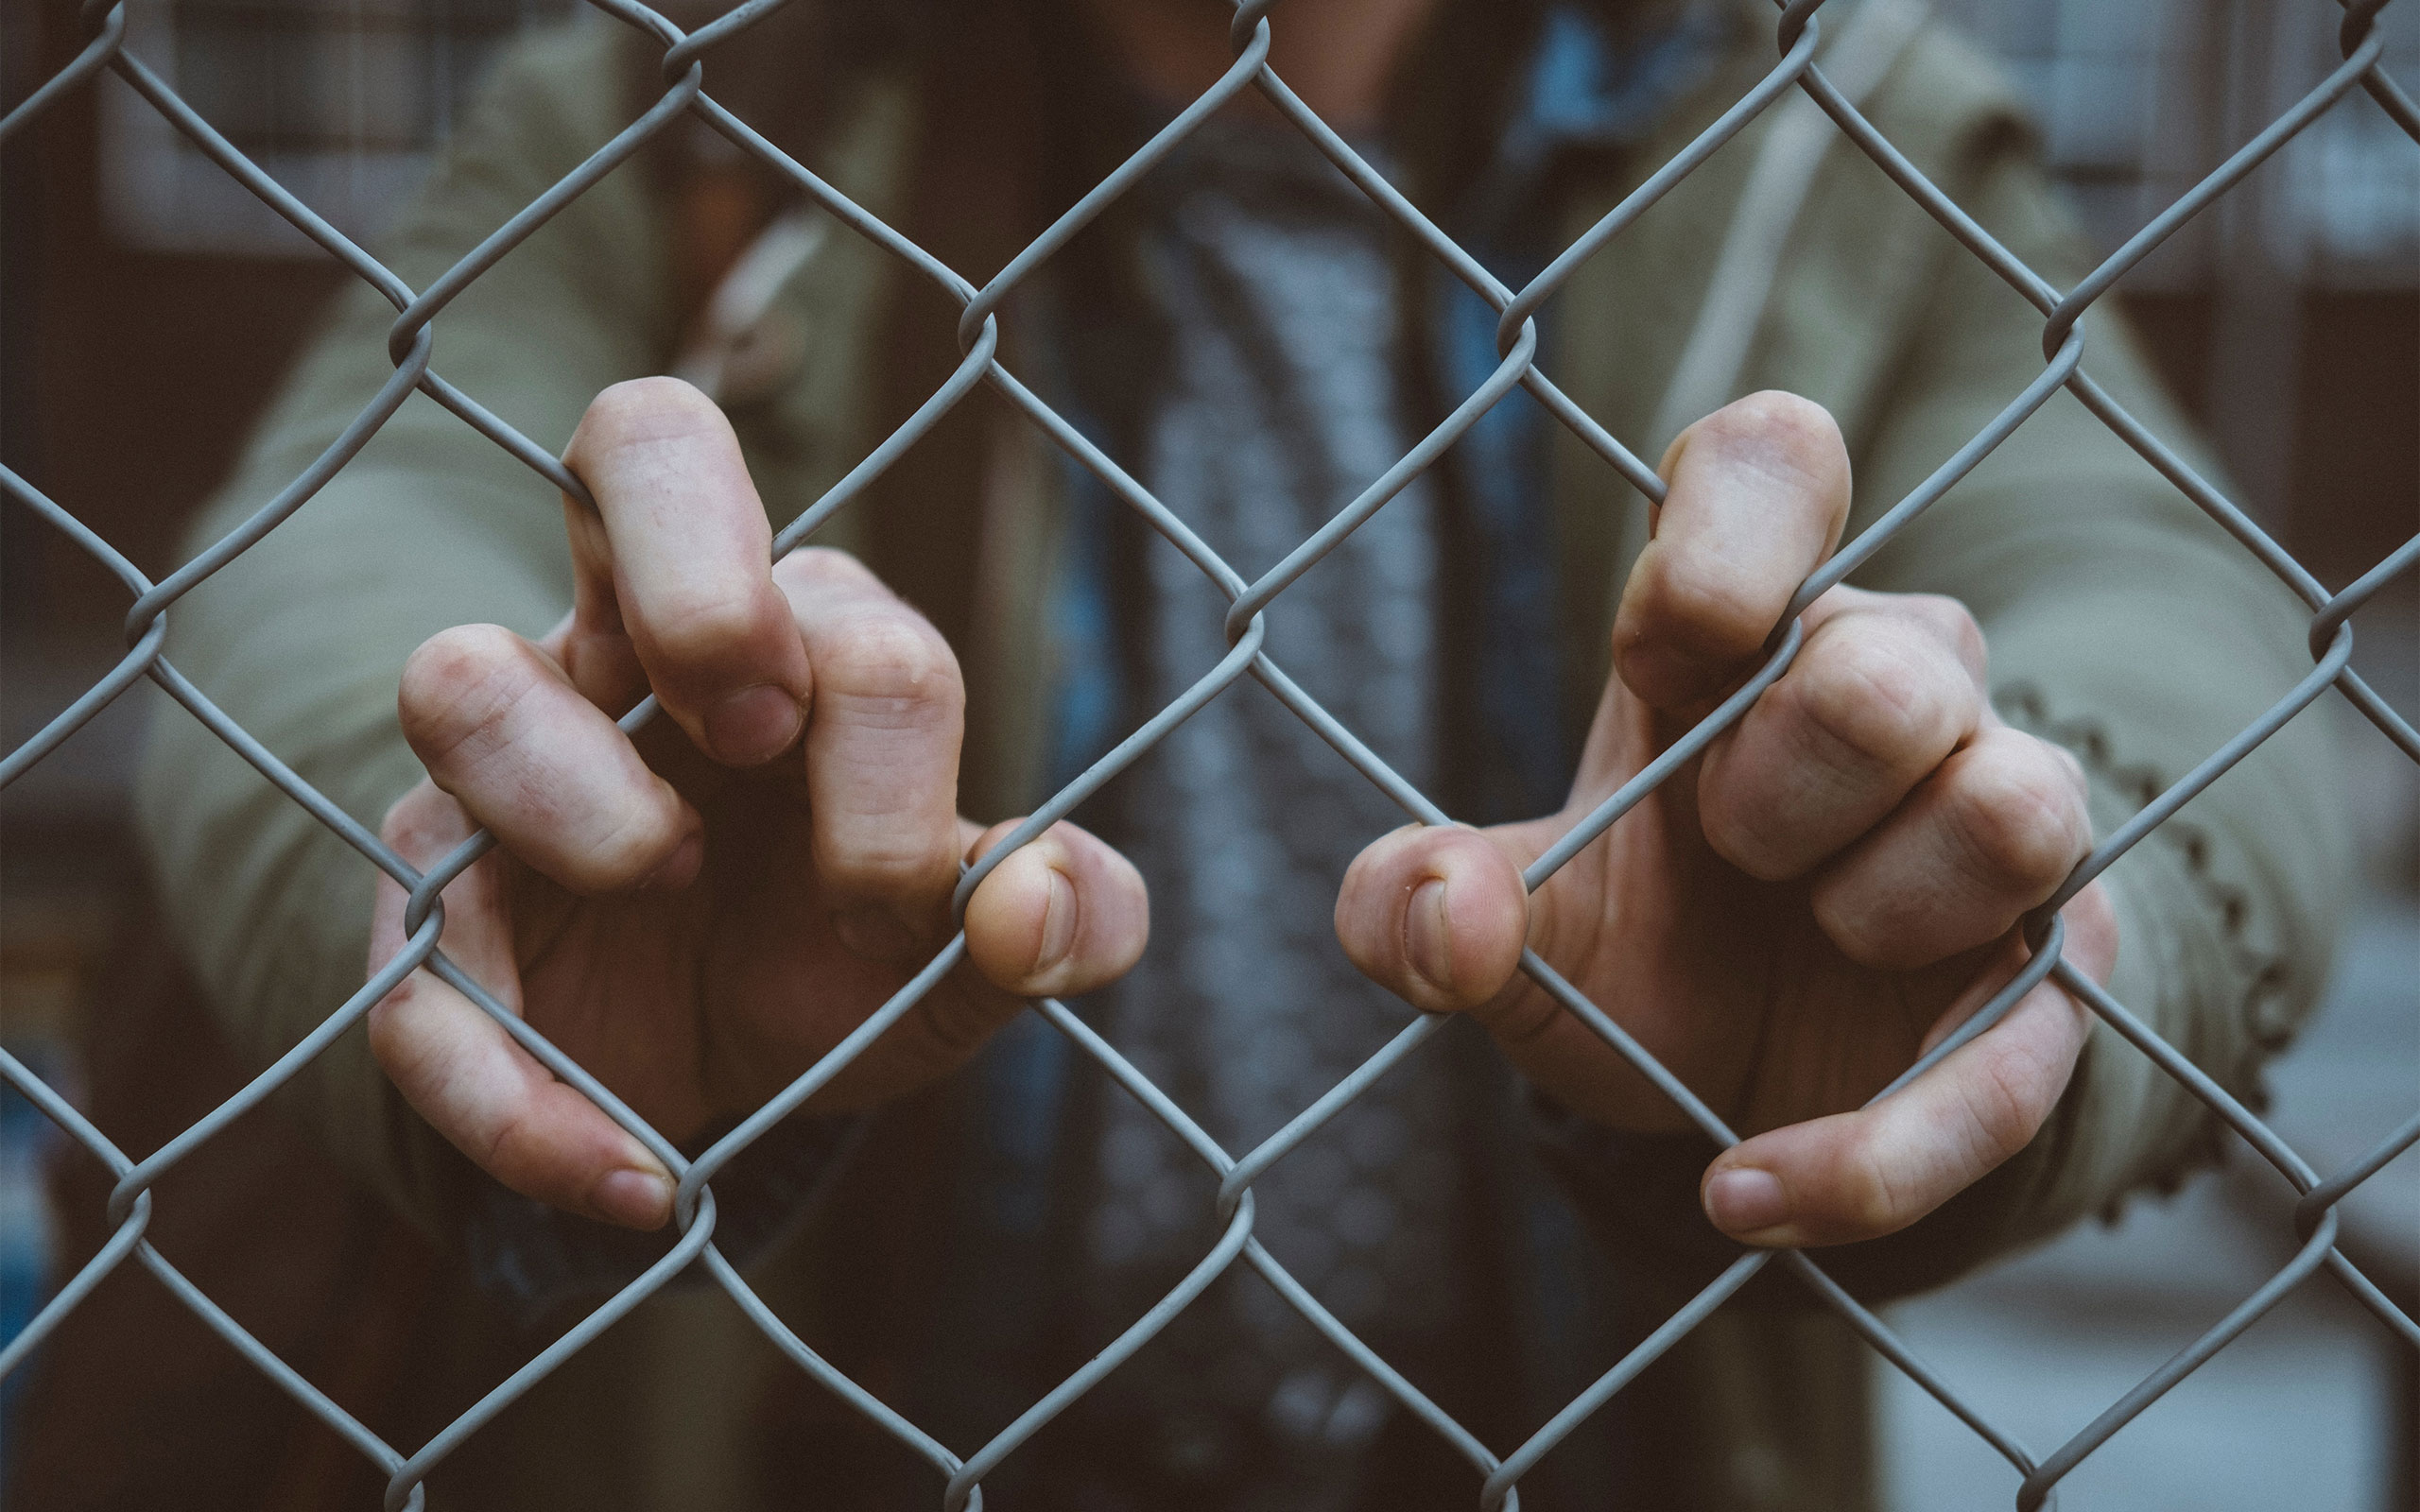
[[410, 346]]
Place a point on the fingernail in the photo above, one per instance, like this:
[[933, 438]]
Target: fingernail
[[678, 870], [1744, 1199], [873, 933], [1427, 938], [638, 1199], [752, 724], [1057, 924]]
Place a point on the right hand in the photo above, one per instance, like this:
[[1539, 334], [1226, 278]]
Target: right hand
[[696, 916], [1829, 889]]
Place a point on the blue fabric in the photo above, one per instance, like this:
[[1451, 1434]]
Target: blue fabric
[[1583, 91], [1089, 690]]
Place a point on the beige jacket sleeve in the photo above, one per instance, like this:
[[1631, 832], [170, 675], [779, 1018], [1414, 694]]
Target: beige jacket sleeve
[[300, 639], [2128, 627]]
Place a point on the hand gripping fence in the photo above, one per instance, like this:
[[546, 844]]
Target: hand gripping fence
[[411, 345]]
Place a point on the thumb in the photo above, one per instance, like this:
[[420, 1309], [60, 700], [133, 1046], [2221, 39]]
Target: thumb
[[1435, 916], [1759, 494], [1862, 1175]]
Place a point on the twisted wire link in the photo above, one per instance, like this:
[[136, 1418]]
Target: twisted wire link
[[411, 351]]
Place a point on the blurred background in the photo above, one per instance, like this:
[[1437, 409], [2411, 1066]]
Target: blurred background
[[2287, 319]]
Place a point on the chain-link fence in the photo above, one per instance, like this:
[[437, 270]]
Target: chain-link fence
[[684, 92]]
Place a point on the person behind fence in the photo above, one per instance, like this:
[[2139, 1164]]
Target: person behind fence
[[698, 912]]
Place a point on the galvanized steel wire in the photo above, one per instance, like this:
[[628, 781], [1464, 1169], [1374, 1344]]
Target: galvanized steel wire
[[411, 348]]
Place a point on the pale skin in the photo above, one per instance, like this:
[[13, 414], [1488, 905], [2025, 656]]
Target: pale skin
[[698, 915]]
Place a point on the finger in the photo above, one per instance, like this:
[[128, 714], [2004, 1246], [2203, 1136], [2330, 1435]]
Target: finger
[[460, 1070], [501, 729], [1435, 916], [1065, 914], [1860, 1176], [1988, 835], [1759, 493], [1062, 915], [677, 559], [882, 748], [1886, 686]]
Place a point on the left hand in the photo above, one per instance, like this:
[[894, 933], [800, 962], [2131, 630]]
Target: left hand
[[1832, 886], [699, 913]]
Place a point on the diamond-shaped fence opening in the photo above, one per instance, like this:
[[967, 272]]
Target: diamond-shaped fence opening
[[1795, 83]]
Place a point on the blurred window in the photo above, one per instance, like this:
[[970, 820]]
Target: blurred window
[[2138, 101], [339, 100]]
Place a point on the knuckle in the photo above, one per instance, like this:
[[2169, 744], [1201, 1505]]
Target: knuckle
[[643, 409], [513, 1151], [2072, 771], [709, 626], [457, 685], [1740, 840], [451, 661], [2018, 819], [1872, 1202], [895, 860], [827, 567], [1999, 1108], [1952, 623], [1779, 429], [422, 823], [888, 847], [1707, 608], [1739, 827], [1771, 414], [888, 656], [1880, 697], [629, 847]]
